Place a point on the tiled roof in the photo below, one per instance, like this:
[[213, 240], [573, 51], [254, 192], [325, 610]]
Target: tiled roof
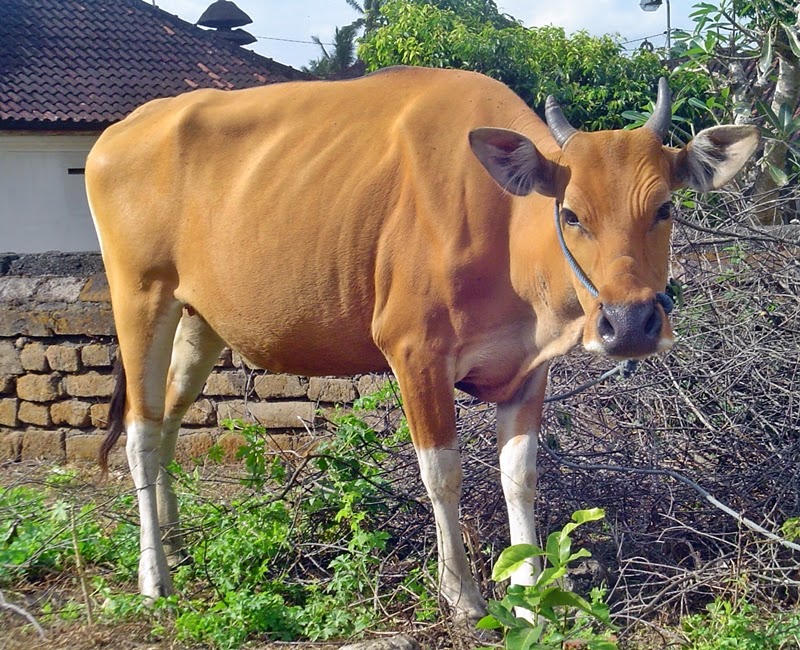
[[87, 63]]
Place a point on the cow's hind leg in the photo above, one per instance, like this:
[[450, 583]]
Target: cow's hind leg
[[194, 351], [146, 318]]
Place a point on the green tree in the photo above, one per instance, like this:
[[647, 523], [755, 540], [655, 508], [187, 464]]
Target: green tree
[[370, 11], [340, 58], [592, 77], [726, 40]]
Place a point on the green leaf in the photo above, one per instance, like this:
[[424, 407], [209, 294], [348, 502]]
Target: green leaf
[[637, 118], [693, 101], [524, 638], [590, 514], [504, 615], [548, 576], [601, 644], [785, 117], [581, 552], [554, 540], [765, 62], [602, 613], [512, 559], [766, 110], [557, 597], [525, 601], [794, 39], [778, 175], [488, 622]]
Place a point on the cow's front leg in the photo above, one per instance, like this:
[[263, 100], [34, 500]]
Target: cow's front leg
[[518, 424], [428, 399]]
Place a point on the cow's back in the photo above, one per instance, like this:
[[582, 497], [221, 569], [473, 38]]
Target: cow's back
[[291, 216]]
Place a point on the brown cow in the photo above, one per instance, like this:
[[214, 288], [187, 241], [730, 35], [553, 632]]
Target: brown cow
[[329, 228]]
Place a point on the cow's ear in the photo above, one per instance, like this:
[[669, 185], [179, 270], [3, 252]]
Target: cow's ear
[[514, 161], [714, 157]]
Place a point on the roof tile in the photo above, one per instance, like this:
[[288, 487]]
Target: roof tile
[[88, 63]]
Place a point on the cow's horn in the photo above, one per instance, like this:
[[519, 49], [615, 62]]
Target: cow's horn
[[561, 129], [661, 119]]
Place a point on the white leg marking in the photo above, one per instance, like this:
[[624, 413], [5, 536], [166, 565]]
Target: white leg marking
[[517, 440], [144, 440], [518, 476], [144, 449], [441, 473], [194, 351]]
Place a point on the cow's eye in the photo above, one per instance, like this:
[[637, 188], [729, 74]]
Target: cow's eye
[[570, 218], [664, 212]]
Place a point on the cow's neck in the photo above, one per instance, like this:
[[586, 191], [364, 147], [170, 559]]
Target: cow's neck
[[542, 276]]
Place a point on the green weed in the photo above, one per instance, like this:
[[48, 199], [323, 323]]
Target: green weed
[[725, 626], [557, 615]]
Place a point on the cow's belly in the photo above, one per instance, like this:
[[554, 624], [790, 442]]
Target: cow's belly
[[287, 327]]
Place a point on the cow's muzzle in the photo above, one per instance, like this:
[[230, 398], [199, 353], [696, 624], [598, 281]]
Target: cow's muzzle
[[635, 330]]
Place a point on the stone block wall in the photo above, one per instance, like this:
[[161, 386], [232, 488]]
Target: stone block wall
[[57, 352]]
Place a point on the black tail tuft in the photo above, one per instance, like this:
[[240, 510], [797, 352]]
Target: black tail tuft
[[116, 414]]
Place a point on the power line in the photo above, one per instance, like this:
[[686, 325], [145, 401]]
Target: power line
[[644, 38], [289, 40]]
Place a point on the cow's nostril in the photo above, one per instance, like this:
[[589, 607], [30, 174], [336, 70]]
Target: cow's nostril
[[652, 328], [605, 327]]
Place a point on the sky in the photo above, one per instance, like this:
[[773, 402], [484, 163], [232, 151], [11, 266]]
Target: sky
[[298, 21]]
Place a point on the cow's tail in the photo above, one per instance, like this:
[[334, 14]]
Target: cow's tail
[[116, 414]]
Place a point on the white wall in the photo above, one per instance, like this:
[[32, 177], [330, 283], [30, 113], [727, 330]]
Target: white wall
[[42, 206]]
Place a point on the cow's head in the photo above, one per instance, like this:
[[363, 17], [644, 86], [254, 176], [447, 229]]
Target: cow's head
[[612, 190]]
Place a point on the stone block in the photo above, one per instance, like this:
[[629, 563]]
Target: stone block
[[37, 414], [99, 415], [96, 289], [64, 289], [268, 386], [324, 389], [194, 445], [18, 291], [398, 642], [225, 359], [10, 363], [225, 384], [43, 445], [235, 409], [8, 384], [81, 448], [85, 319], [65, 358], [39, 388], [90, 384], [34, 358], [73, 413], [8, 412], [10, 445], [283, 415], [201, 413], [369, 384], [230, 442], [97, 355], [25, 321]]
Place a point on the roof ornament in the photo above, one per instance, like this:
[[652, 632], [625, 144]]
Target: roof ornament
[[222, 16]]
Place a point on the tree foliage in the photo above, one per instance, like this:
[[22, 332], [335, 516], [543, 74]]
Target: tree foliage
[[591, 76], [340, 58], [750, 51]]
